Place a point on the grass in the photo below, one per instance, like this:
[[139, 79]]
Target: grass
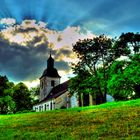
[[110, 121]]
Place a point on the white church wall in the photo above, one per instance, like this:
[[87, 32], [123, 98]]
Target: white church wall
[[44, 106]]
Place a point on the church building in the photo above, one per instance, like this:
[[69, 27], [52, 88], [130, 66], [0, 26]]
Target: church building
[[53, 95]]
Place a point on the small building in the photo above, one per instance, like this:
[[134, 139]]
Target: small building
[[53, 95]]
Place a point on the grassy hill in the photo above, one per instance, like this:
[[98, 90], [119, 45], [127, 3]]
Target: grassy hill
[[117, 120]]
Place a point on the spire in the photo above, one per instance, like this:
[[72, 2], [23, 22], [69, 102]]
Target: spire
[[50, 62], [50, 71]]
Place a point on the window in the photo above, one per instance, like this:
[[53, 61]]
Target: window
[[52, 83]]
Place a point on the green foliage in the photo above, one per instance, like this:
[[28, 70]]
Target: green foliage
[[13, 97], [22, 97], [124, 82], [100, 57], [91, 53], [98, 122], [132, 72], [34, 92], [7, 104], [131, 41]]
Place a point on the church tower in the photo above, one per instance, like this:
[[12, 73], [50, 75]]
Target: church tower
[[49, 79]]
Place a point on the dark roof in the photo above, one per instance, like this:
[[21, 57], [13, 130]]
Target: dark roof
[[50, 72], [57, 91]]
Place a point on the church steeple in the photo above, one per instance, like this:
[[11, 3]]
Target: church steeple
[[50, 71], [50, 62], [49, 79]]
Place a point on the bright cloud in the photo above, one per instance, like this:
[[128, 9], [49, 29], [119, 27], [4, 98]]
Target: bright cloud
[[33, 83], [8, 21]]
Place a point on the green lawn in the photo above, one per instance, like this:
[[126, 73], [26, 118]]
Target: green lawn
[[110, 121]]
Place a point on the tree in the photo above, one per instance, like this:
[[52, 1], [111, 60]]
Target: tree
[[118, 84], [34, 92], [124, 81], [92, 54], [132, 72], [6, 91], [22, 97], [7, 105], [99, 58], [77, 85]]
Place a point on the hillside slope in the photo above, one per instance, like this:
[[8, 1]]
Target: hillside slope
[[117, 120]]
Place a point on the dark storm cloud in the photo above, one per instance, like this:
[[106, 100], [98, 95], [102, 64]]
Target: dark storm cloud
[[111, 17], [21, 63]]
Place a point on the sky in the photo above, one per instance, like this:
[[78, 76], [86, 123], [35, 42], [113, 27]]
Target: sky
[[30, 29]]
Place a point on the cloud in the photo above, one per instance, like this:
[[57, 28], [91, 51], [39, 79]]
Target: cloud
[[25, 47], [8, 21], [30, 29], [33, 83]]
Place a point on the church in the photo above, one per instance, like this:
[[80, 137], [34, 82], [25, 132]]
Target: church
[[55, 95]]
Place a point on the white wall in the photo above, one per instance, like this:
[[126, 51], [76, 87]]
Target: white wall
[[44, 106]]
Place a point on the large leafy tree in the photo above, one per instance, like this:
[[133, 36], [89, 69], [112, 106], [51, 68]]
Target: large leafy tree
[[132, 73], [93, 54], [22, 97], [124, 81], [6, 91], [100, 58], [118, 83]]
